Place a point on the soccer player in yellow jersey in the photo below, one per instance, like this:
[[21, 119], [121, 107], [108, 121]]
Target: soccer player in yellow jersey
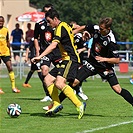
[[5, 54], [67, 69]]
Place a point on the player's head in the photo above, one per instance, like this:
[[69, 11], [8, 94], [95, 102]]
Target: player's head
[[104, 25], [46, 7], [52, 18], [1, 21]]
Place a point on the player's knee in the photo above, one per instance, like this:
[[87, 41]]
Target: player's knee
[[45, 70], [117, 88], [48, 79], [76, 82], [9, 69]]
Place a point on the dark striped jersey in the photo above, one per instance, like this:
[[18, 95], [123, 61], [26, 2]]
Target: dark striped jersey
[[44, 33], [104, 46]]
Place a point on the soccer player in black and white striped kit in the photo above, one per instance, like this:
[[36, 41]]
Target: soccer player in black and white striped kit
[[103, 56]]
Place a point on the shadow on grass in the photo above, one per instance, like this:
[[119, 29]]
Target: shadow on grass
[[43, 115], [65, 114], [95, 115], [61, 115], [29, 98]]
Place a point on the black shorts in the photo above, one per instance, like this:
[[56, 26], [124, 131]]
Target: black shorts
[[54, 57], [50, 58], [46, 61], [5, 58], [88, 70], [34, 67], [66, 69]]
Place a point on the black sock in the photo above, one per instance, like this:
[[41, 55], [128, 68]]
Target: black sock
[[40, 76], [127, 96], [62, 97], [28, 76], [44, 86]]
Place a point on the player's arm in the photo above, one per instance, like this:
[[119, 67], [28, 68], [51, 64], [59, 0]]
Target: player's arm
[[109, 60], [81, 50], [48, 50], [113, 55], [7, 41], [37, 47], [22, 36], [79, 29], [36, 36], [26, 55], [11, 38]]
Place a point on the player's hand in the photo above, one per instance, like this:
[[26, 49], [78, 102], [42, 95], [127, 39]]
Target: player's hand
[[35, 59], [86, 36], [79, 51], [26, 60], [100, 59]]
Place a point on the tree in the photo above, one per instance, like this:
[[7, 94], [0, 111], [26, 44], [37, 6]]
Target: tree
[[92, 11]]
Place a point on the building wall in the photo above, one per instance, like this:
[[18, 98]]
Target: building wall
[[10, 9]]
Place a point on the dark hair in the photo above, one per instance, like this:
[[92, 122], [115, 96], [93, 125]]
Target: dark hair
[[29, 24], [107, 21], [2, 17], [17, 24], [47, 6], [52, 13]]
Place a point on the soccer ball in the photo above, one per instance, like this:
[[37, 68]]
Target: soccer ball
[[14, 110]]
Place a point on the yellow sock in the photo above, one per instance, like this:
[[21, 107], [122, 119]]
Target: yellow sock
[[12, 79], [53, 91], [68, 91]]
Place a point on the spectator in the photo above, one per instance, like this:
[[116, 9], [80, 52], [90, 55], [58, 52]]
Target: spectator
[[16, 36], [29, 33]]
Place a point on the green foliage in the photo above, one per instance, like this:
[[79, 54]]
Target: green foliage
[[93, 10]]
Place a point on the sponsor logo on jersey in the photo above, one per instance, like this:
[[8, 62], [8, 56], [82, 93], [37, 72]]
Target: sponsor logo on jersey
[[42, 27], [97, 47], [105, 43], [48, 36]]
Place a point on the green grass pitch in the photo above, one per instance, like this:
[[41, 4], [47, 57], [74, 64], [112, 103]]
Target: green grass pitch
[[106, 111]]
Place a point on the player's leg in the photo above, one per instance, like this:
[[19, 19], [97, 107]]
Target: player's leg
[[83, 73], [33, 68], [113, 81], [29, 75], [68, 73], [47, 97], [7, 61], [1, 91], [79, 91], [53, 91], [45, 65]]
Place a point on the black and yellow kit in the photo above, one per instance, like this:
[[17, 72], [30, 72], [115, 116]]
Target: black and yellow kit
[[4, 37], [70, 58], [65, 39]]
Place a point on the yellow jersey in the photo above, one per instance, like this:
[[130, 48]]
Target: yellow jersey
[[65, 39], [4, 38]]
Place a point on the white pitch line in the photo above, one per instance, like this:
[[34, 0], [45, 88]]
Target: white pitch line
[[101, 128]]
